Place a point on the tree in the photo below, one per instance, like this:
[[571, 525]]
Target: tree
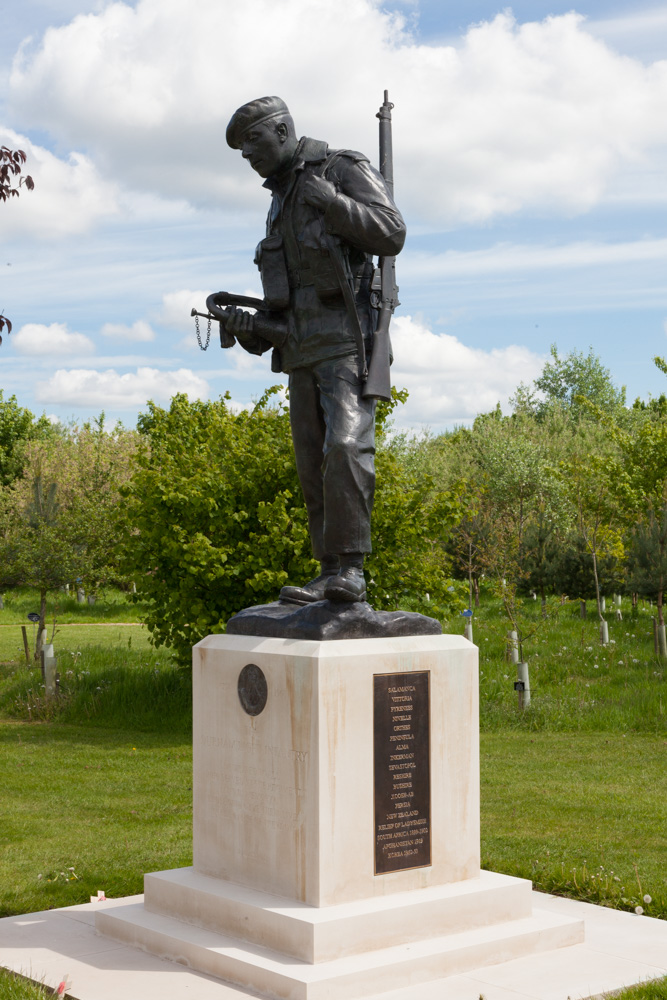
[[62, 519], [18, 426], [521, 497], [38, 547], [413, 518], [637, 475], [648, 560], [572, 573], [565, 381], [593, 485], [11, 164], [468, 543], [515, 510]]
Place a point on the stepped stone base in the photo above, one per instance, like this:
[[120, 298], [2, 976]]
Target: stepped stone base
[[336, 825], [299, 952]]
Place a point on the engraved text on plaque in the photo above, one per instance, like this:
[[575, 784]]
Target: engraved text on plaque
[[401, 770]]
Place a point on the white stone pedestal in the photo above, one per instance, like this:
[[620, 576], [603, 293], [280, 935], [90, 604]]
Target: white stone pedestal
[[283, 897]]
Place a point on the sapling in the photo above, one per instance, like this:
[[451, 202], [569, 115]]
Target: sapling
[[526, 628]]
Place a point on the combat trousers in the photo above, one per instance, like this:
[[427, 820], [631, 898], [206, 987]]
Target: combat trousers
[[333, 430]]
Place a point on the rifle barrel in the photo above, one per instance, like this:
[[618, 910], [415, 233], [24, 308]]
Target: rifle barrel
[[386, 150], [378, 383]]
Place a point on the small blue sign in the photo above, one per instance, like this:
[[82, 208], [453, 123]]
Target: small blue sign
[[467, 613], [33, 616]]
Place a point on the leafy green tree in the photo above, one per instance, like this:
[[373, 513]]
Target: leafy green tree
[[564, 380], [38, 546], [541, 546], [218, 521], [413, 518], [637, 474], [100, 463], [593, 484], [62, 518], [468, 542], [648, 557], [18, 426], [517, 513], [215, 515], [571, 568], [521, 498]]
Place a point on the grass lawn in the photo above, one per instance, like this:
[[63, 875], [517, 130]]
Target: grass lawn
[[111, 605], [113, 621], [70, 638], [576, 684], [17, 988], [89, 808], [581, 814]]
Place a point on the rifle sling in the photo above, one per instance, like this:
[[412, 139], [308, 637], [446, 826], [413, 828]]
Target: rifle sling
[[345, 286], [350, 305]]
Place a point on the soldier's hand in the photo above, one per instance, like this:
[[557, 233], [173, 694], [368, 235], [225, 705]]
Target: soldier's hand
[[318, 192], [239, 321]]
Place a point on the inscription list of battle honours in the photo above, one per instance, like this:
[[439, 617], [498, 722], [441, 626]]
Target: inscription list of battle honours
[[402, 772]]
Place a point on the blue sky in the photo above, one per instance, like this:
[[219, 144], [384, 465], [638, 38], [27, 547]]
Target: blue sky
[[530, 162]]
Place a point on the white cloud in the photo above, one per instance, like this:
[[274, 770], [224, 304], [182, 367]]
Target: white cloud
[[643, 32], [450, 383], [40, 340], [139, 331], [177, 307], [108, 389], [538, 116], [69, 194], [507, 257]]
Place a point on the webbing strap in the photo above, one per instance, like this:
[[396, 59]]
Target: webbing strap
[[345, 284]]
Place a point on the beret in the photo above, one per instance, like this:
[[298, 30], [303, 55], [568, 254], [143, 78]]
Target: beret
[[253, 113]]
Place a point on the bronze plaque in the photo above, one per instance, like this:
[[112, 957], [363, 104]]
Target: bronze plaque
[[252, 689], [401, 734]]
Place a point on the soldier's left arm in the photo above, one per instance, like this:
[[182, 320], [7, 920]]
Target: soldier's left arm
[[363, 212]]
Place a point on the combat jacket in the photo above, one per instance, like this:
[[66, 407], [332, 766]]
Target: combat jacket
[[361, 221]]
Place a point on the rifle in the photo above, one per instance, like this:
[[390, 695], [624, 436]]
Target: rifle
[[378, 383], [265, 323]]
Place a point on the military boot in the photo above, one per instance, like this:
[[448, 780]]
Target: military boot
[[314, 589], [349, 584]]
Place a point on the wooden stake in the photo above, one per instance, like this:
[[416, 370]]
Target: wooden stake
[[25, 645]]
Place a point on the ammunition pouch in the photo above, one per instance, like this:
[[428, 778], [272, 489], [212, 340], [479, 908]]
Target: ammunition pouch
[[316, 252], [270, 259]]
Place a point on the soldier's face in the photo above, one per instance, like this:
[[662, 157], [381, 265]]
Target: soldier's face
[[264, 147]]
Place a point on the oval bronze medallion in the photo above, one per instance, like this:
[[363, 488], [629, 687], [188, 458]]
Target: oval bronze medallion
[[252, 689]]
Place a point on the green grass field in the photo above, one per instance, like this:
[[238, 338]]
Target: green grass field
[[112, 622], [576, 684], [111, 605], [96, 783]]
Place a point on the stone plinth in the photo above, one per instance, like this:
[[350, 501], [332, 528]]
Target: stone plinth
[[350, 757], [283, 801]]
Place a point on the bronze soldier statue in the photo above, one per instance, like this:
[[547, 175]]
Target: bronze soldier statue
[[331, 211]]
